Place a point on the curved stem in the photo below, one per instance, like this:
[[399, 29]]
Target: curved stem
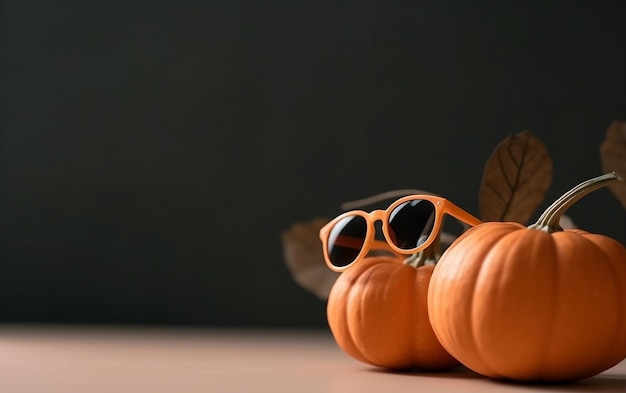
[[430, 254], [549, 220]]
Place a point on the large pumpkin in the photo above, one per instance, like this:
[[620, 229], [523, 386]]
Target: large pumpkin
[[535, 303], [377, 312]]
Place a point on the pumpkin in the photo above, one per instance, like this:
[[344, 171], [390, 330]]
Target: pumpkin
[[377, 313], [533, 303]]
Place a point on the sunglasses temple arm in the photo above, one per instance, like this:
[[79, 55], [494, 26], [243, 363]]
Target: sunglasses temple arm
[[377, 245], [461, 214], [380, 245]]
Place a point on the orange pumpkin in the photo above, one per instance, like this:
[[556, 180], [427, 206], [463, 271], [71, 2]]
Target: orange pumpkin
[[536, 303], [377, 312]]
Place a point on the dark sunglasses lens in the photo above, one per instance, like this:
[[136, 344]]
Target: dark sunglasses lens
[[346, 239], [411, 223]]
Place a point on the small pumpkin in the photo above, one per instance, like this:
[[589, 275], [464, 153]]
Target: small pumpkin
[[377, 313], [533, 304]]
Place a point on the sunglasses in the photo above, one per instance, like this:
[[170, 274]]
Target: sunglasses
[[409, 225]]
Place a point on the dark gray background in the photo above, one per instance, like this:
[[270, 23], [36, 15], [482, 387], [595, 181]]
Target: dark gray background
[[153, 151]]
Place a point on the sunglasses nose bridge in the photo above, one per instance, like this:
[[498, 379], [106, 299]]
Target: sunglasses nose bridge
[[377, 215]]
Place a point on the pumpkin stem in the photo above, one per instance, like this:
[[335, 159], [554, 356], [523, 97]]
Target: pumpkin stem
[[549, 220], [429, 255]]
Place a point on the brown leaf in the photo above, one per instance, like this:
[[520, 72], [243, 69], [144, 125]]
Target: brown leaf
[[613, 156], [303, 254], [515, 179]]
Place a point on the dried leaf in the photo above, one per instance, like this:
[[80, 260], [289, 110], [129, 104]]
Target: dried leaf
[[302, 251], [515, 179], [613, 156]]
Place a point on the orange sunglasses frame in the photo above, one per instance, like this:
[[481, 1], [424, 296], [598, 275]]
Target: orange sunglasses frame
[[442, 206]]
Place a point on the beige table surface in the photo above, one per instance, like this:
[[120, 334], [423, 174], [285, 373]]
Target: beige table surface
[[50, 359]]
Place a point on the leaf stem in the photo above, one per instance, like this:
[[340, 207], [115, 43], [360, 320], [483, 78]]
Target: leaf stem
[[549, 220], [381, 197]]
